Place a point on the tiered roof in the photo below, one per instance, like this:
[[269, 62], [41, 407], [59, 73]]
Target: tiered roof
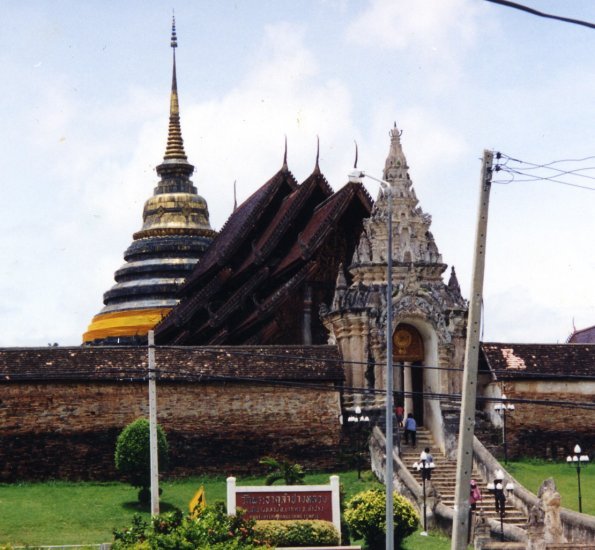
[[273, 263]]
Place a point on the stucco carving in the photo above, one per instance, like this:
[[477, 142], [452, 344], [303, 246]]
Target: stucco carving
[[419, 295]]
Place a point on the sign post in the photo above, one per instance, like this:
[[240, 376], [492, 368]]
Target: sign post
[[287, 501]]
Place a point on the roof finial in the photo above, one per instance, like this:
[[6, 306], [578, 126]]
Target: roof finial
[[174, 38], [356, 155], [285, 167], [235, 198], [395, 133], [317, 167]]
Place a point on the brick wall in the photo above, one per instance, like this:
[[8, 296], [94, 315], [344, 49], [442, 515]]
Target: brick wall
[[68, 430], [550, 431]]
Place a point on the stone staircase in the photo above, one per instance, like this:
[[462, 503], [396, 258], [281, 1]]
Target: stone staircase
[[444, 478]]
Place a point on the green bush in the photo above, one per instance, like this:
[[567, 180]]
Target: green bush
[[212, 529], [297, 533], [278, 468], [133, 459], [365, 516]]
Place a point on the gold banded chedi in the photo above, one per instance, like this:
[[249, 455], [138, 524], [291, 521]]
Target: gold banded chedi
[[175, 233]]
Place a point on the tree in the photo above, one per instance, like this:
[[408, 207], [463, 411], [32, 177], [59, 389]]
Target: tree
[[292, 474], [365, 516], [133, 458]]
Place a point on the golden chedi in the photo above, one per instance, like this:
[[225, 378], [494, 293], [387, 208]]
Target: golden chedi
[[174, 235]]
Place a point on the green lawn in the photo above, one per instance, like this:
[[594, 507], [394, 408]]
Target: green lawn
[[60, 513], [532, 473]]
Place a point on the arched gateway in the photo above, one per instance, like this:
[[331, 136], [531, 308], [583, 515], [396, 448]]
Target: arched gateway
[[428, 314]]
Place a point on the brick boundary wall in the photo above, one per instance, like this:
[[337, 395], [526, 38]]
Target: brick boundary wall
[[68, 430]]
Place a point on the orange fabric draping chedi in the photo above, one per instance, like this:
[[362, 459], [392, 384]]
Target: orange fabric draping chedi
[[132, 322]]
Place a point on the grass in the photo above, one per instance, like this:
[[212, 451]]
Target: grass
[[60, 513], [532, 473]]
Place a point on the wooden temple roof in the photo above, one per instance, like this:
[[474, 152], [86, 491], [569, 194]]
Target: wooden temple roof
[[250, 285]]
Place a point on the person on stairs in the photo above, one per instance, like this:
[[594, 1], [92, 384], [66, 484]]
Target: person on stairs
[[474, 498], [427, 461], [410, 430]]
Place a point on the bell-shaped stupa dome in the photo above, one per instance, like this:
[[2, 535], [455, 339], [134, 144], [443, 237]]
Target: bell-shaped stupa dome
[[175, 233]]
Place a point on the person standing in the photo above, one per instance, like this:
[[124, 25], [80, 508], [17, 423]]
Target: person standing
[[410, 430], [427, 461], [474, 498], [399, 413], [474, 495]]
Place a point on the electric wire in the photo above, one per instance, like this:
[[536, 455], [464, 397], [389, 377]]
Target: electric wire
[[532, 11], [163, 375], [520, 171]]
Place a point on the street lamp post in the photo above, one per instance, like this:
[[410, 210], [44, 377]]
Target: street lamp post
[[360, 420], [497, 488], [424, 466], [578, 461], [503, 409], [357, 176]]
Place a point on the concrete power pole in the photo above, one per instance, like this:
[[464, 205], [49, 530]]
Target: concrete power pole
[[460, 528], [153, 428]]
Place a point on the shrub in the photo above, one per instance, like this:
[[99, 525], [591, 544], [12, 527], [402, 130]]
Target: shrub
[[297, 533], [133, 458], [365, 516], [212, 529], [290, 473]]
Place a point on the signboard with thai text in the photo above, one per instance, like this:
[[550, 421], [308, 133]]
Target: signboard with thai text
[[286, 502], [286, 505]]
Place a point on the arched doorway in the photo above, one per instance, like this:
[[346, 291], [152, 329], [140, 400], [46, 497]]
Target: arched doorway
[[408, 357]]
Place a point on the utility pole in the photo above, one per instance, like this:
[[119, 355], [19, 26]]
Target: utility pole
[[153, 428], [390, 521], [460, 528]]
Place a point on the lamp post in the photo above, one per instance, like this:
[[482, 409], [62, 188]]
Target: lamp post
[[425, 466], [578, 461], [360, 420], [357, 176], [497, 488], [503, 409]]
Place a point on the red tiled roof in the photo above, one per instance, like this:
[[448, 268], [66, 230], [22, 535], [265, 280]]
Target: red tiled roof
[[508, 361]]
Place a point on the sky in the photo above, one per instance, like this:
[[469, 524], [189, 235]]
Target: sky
[[84, 110]]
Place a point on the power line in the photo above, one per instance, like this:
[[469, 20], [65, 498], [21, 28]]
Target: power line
[[542, 14], [191, 376], [528, 171]]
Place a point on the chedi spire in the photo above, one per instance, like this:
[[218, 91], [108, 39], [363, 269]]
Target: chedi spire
[[174, 149], [175, 233]]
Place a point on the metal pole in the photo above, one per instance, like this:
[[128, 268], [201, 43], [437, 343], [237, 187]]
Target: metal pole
[[390, 527], [504, 435], [467, 421], [578, 475], [501, 522], [423, 463], [153, 428]]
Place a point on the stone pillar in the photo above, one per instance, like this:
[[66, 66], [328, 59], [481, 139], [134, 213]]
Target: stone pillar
[[408, 389]]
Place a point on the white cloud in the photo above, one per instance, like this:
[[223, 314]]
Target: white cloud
[[431, 27]]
